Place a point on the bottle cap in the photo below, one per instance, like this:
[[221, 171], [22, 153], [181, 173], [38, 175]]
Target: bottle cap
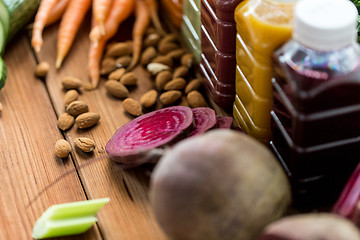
[[325, 24]]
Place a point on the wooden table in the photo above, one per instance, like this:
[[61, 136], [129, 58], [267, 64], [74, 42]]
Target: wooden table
[[29, 169]]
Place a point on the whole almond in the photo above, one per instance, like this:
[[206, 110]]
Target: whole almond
[[129, 79], [194, 84], [62, 148], [181, 71], [65, 121], [162, 78], [107, 65], [187, 60], [84, 144], [70, 96], [164, 59], [171, 37], [176, 53], [87, 120], [119, 49], [77, 107], [107, 61], [71, 83], [148, 54], [155, 68], [42, 69], [149, 98], [170, 97], [151, 39], [175, 84], [117, 74], [132, 106], [150, 30], [165, 47], [116, 89], [123, 61], [196, 99]]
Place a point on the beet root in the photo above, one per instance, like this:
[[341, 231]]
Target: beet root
[[205, 119], [323, 226], [218, 185], [139, 140]]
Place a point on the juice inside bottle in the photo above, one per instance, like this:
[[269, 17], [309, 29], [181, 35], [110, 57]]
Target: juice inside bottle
[[218, 61], [316, 111], [190, 27], [262, 26]]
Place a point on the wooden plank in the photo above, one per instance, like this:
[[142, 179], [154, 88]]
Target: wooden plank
[[28, 133], [129, 214]]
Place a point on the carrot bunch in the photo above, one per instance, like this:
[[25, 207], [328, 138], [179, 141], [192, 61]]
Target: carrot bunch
[[107, 15]]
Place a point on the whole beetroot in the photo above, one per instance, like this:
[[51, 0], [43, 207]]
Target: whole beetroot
[[219, 185]]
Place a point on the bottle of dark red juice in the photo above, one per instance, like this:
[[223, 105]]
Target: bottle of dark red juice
[[316, 108]]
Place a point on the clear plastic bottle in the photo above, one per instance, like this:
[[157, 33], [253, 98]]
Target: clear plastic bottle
[[316, 111], [217, 62], [262, 26]]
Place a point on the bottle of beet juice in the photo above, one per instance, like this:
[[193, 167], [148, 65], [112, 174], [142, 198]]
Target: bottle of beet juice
[[316, 103]]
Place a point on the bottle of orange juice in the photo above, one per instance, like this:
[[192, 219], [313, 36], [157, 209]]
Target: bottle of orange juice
[[262, 26]]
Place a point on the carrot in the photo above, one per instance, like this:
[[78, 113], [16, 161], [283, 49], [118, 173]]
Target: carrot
[[142, 20], [57, 12], [153, 8], [120, 10], [95, 53], [100, 10], [69, 25], [42, 14]]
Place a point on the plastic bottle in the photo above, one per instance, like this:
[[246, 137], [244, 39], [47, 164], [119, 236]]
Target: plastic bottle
[[262, 26], [217, 62], [190, 27], [316, 112]]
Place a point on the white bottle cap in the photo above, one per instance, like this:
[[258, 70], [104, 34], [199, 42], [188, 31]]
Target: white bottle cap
[[325, 24]]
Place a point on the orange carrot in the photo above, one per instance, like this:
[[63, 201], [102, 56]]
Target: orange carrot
[[142, 20], [153, 9], [57, 12], [94, 58], [120, 10], [69, 25], [39, 23], [100, 10]]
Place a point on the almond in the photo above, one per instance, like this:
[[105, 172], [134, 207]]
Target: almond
[[162, 78], [70, 96], [175, 84], [194, 84], [171, 37], [87, 120], [176, 53], [71, 83], [196, 99], [155, 68], [42, 69], [65, 121], [62, 148], [181, 71], [149, 98], [150, 30], [123, 61], [117, 74], [84, 144], [187, 60], [119, 49], [152, 39], [132, 106], [107, 66], [165, 47], [164, 59], [129, 79], [148, 54], [170, 97], [77, 107], [116, 89]]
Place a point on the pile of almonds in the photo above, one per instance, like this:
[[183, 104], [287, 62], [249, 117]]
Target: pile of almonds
[[170, 65], [76, 111]]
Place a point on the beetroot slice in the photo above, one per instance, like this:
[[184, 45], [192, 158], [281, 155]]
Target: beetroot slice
[[205, 118], [135, 142], [224, 122]]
